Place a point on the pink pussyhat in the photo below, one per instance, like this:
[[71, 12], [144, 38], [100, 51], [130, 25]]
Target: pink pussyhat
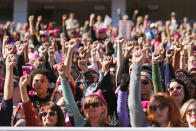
[[101, 29], [156, 44], [99, 95], [145, 104], [43, 32]]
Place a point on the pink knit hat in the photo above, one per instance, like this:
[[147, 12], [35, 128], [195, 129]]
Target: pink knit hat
[[43, 32], [98, 94], [145, 104], [101, 29]]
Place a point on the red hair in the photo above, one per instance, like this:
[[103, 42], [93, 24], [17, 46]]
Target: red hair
[[174, 118]]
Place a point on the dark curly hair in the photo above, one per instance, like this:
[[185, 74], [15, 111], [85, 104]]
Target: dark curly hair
[[186, 90]]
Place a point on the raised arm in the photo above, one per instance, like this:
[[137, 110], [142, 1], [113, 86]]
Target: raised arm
[[7, 102], [156, 74], [30, 114], [37, 27], [32, 30], [176, 57], [119, 41], [5, 42], [137, 116], [68, 59], [124, 65], [8, 86], [26, 43], [64, 28], [69, 99], [169, 71]]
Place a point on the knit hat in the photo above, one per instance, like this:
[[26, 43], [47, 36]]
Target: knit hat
[[101, 29], [99, 95], [43, 33], [145, 104]]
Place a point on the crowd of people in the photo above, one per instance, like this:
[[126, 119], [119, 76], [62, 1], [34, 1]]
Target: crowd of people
[[90, 76]]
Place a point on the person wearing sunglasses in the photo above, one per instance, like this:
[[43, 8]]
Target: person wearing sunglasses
[[94, 105], [162, 110], [146, 85], [49, 113], [188, 113], [178, 90]]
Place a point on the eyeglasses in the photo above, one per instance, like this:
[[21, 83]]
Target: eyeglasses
[[94, 104], [145, 82], [161, 106], [177, 88], [52, 113], [190, 111]]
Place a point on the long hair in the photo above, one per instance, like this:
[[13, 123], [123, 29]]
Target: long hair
[[174, 119], [184, 108], [53, 107], [103, 116]]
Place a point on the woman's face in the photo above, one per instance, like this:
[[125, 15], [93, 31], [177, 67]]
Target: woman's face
[[93, 109], [49, 117], [176, 91], [160, 112], [146, 86], [191, 114]]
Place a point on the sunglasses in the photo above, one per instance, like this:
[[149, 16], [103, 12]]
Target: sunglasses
[[52, 113], [190, 111], [94, 104], [177, 88], [145, 82], [161, 106]]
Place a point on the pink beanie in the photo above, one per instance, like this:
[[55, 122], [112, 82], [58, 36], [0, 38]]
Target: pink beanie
[[43, 32], [98, 94], [57, 65], [176, 35], [145, 104], [156, 44], [101, 29], [33, 55]]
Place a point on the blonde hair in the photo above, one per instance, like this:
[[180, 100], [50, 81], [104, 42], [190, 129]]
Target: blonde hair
[[103, 116], [184, 108]]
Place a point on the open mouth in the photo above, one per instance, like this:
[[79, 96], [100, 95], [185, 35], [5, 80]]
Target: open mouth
[[176, 94]]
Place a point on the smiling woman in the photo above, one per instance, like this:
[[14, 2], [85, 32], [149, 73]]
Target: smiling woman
[[179, 91]]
